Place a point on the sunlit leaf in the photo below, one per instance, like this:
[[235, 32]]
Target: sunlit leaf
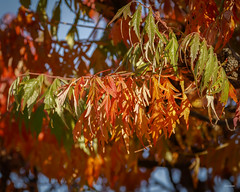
[[136, 21], [225, 91], [32, 89], [13, 90], [70, 38], [124, 10], [61, 97], [172, 48], [150, 27]]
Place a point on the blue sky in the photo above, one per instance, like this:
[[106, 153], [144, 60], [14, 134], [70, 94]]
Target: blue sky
[[11, 6]]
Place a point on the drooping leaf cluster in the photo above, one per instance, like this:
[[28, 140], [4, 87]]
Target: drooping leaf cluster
[[145, 103], [207, 71], [109, 107]]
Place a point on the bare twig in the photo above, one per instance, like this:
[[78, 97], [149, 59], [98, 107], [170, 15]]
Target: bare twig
[[140, 150], [78, 25], [50, 76]]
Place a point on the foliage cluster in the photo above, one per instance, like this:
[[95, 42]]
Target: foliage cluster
[[158, 84]]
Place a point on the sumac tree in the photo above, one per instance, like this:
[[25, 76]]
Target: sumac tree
[[160, 87]]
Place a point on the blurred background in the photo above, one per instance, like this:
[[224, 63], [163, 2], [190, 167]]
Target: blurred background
[[72, 39]]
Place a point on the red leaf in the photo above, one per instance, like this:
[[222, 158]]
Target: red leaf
[[78, 129], [78, 88], [237, 116], [113, 90]]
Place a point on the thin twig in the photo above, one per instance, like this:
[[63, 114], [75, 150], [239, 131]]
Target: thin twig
[[94, 29], [140, 150], [50, 76], [70, 79], [226, 121], [78, 25]]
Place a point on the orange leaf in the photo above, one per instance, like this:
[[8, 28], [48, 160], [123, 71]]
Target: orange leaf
[[78, 88], [185, 107], [78, 129], [232, 93]]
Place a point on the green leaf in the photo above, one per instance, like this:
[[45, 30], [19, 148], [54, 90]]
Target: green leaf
[[124, 10], [55, 18], [63, 136], [150, 27], [60, 100], [36, 120], [141, 66], [203, 57], [42, 4], [49, 100], [225, 91], [146, 52], [13, 90], [215, 69], [135, 54], [186, 41], [70, 37], [81, 144], [127, 56], [218, 84], [20, 92], [68, 142], [172, 48], [184, 45], [57, 126], [157, 55], [69, 119], [194, 48], [209, 69], [30, 92], [25, 3], [127, 11], [162, 37], [32, 89], [41, 10], [136, 21]]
